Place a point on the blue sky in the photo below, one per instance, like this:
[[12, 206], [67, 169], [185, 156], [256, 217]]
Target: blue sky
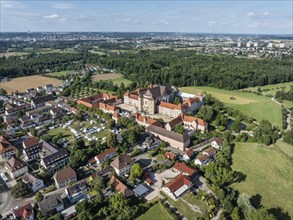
[[256, 17]]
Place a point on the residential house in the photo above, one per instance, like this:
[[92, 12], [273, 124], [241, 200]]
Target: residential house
[[7, 150], [170, 155], [115, 116], [188, 154], [176, 140], [34, 183], [48, 88], [217, 143], [177, 186], [40, 101], [51, 204], [105, 155], [104, 173], [15, 167], [120, 187], [122, 164], [210, 151], [202, 160], [184, 169], [25, 212], [65, 176], [77, 191], [39, 89]]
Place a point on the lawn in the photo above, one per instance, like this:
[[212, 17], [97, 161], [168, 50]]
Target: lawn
[[286, 148], [66, 132], [61, 73], [156, 212], [269, 173], [183, 208], [259, 107], [192, 199], [272, 88], [118, 81]]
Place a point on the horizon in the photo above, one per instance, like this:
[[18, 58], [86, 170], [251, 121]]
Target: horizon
[[210, 17]]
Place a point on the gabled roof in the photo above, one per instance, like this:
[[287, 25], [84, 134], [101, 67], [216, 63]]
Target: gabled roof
[[202, 158], [210, 151], [158, 91], [184, 168], [49, 203], [14, 164], [120, 187], [24, 212], [6, 146], [30, 142], [169, 155], [177, 183], [218, 140], [64, 174], [29, 178], [170, 134], [54, 157], [122, 161], [42, 99], [189, 152], [102, 155]]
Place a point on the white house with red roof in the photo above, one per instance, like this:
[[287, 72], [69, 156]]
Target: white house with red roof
[[182, 168], [25, 212], [177, 186], [217, 143], [188, 154], [106, 155]]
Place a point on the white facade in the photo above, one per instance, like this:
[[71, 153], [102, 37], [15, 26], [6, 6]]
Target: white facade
[[17, 173], [124, 170]]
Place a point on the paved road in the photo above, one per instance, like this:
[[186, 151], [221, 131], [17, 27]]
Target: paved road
[[10, 202]]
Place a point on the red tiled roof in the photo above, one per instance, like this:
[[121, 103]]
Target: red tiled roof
[[14, 164], [210, 150], [102, 155], [184, 168], [64, 174], [177, 183], [202, 157], [6, 146], [92, 160], [169, 155], [147, 120], [170, 105], [189, 152], [30, 141], [25, 211]]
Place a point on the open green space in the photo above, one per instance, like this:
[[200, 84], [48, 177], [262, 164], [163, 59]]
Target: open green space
[[61, 73], [271, 89], [156, 212], [182, 207], [269, 173], [259, 107], [192, 199], [66, 132], [285, 147], [118, 81]]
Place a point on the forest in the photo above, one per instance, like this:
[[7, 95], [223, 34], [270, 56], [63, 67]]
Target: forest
[[179, 68]]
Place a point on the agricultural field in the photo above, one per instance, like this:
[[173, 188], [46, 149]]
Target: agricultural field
[[269, 175], [285, 147], [259, 107], [156, 212], [22, 83]]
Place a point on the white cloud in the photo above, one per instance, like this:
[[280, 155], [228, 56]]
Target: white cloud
[[266, 13], [250, 14], [211, 23], [9, 4], [51, 17], [62, 5]]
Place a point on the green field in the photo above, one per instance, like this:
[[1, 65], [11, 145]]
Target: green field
[[61, 73], [286, 148], [120, 80], [269, 173], [272, 88], [182, 207], [259, 107], [156, 212], [66, 132]]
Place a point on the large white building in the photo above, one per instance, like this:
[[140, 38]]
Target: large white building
[[122, 164], [15, 167]]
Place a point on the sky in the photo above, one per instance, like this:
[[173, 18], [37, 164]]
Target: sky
[[244, 17]]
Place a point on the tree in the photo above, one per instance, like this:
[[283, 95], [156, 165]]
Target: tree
[[3, 91], [179, 129], [135, 172], [206, 113], [39, 197], [244, 204], [20, 190], [235, 126], [176, 101], [83, 210], [111, 139], [97, 183]]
